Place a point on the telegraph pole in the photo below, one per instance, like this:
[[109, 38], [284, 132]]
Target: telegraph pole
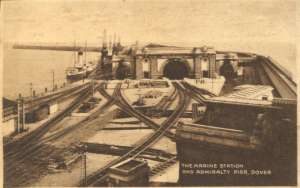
[[83, 154], [53, 79], [23, 108], [20, 114]]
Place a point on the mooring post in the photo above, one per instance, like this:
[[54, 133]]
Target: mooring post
[[53, 80], [23, 116], [19, 114]]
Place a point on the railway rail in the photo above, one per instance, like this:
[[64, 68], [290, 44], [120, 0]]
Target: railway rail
[[148, 142], [63, 132], [86, 120], [154, 154], [32, 104], [16, 152], [166, 101], [196, 93], [36, 144], [28, 139], [122, 103]]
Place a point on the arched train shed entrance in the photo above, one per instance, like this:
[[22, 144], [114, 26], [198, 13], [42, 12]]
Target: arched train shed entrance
[[174, 62], [176, 69]]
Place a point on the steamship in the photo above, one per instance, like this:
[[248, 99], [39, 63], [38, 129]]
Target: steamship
[[80, 70]]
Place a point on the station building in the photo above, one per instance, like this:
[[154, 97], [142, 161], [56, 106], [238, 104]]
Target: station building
[[159, 62]]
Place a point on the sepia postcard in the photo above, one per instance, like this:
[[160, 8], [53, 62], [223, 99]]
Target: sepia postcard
[[151, 93]]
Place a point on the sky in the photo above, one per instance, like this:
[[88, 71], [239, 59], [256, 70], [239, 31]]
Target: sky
[[186, 21], [265, 27]]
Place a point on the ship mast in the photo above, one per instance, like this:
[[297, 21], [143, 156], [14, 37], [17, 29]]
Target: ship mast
[[75, 53], [85, 50]]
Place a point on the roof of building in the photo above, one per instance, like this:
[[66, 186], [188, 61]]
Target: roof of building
[[241, 101], [156, 49], [249, 91], [215, 135], [246, 95]]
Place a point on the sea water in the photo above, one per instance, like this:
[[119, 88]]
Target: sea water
[[26, 69]]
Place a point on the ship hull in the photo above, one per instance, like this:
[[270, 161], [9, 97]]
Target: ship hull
[[76, 77]]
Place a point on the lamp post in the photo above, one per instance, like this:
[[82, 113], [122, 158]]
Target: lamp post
[[53, 77]]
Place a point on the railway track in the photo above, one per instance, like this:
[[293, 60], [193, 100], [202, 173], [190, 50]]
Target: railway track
[[63, 132], [122, 103], [16, 152], [35, 144], [118, 150], [34, 104], [32, 137], [149, 141], [86, 120], [89, 119], [165, 102], [196, 93]]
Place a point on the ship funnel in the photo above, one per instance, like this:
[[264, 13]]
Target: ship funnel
[[104, 39], [115, 40], [79, 62]]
